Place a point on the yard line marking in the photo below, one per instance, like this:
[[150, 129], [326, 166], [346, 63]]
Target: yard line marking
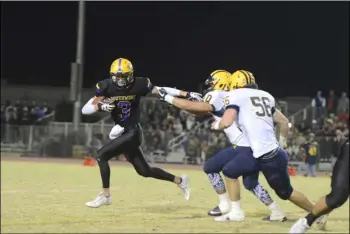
[[55, 190]]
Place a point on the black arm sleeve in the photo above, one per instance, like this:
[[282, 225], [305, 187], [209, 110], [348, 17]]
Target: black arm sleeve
[[101, 87], [147, 86]]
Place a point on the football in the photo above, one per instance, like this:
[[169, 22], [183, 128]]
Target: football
[[102, 99]]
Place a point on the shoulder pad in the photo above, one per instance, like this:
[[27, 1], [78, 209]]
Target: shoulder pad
[[144, 82], [101, 86]]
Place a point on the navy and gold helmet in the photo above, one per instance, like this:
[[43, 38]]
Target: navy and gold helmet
[[218, 80], [122, 72]]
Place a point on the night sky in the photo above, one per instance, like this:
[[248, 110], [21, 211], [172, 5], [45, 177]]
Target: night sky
[[292, 48]]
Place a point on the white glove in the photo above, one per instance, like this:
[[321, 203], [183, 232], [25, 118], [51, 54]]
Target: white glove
[[194, 96], [116, 132], [215, 125], [283, 142], [106, 107]]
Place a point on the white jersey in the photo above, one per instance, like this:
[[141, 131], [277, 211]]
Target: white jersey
[[233, 133], [255, 118]]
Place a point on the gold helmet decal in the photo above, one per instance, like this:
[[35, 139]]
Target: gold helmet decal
[[218, 80], [122, 72], [240, 79]]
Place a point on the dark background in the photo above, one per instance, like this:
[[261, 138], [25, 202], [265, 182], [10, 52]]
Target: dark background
[[293, 48]]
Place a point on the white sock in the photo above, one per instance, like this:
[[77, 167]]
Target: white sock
[[223, 198], [236, 205], [273, 206]]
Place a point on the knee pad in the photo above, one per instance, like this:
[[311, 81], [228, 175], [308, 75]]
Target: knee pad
[[337, 197], [230, 173], [284, 193], [209, 168], [249, 183]]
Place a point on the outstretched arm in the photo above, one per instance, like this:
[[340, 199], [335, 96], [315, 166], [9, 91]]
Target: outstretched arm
[[177, 93], [195, 107]]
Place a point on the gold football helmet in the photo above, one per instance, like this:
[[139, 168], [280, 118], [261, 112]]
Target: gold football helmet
[[122, 72], [218, 80], [240, 79]]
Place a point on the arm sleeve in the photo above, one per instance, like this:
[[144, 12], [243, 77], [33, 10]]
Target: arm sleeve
[[171, 91], [147, 86], [88, 108], [100, 89]]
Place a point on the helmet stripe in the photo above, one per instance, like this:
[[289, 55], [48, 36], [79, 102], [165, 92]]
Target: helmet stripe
[[119, 65], [245, 75]]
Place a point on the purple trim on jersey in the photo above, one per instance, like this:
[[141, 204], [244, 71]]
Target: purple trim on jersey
[[150, 87], [233, 107]]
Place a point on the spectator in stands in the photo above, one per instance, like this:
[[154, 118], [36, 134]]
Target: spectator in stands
[[293, 150], [310, 150], [318, 103], [11, 119], [343, 104], [177, 127], [326, 151], [3, 123], [331, 102], [193, 149], [24, 122]]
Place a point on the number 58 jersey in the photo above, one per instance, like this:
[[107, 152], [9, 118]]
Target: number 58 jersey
[[217, 100], [127, 100], [255, 109]]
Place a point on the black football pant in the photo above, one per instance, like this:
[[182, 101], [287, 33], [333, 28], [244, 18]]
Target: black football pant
[[129, 145], [340, 179]]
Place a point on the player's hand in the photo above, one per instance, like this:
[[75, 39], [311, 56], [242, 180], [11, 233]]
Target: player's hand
[[215, 126], [106, 107], [162, 93], [192, 96]]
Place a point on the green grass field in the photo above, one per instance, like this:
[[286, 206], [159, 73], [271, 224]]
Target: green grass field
[[50, 197]]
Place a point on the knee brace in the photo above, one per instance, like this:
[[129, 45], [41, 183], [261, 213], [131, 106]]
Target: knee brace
[[337, 197]]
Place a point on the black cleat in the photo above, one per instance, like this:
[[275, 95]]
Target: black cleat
[[215, 212], [267, 218]]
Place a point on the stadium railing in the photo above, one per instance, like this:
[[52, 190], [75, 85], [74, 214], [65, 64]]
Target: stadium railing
[[303, 115]]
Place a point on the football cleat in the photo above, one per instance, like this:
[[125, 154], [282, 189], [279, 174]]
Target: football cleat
[[322, 221], [100, 200], [300, 226], [184, 186], [215, 212], [233, 216]]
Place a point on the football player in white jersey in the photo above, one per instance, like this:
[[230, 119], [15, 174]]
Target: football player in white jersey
[[255, 113], [214, 104]]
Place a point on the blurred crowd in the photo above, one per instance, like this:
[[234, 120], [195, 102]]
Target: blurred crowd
[[319, 141], [15, 116]]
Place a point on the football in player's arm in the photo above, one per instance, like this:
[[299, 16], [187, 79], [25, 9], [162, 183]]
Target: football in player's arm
[[232, 110], [104, 104]]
